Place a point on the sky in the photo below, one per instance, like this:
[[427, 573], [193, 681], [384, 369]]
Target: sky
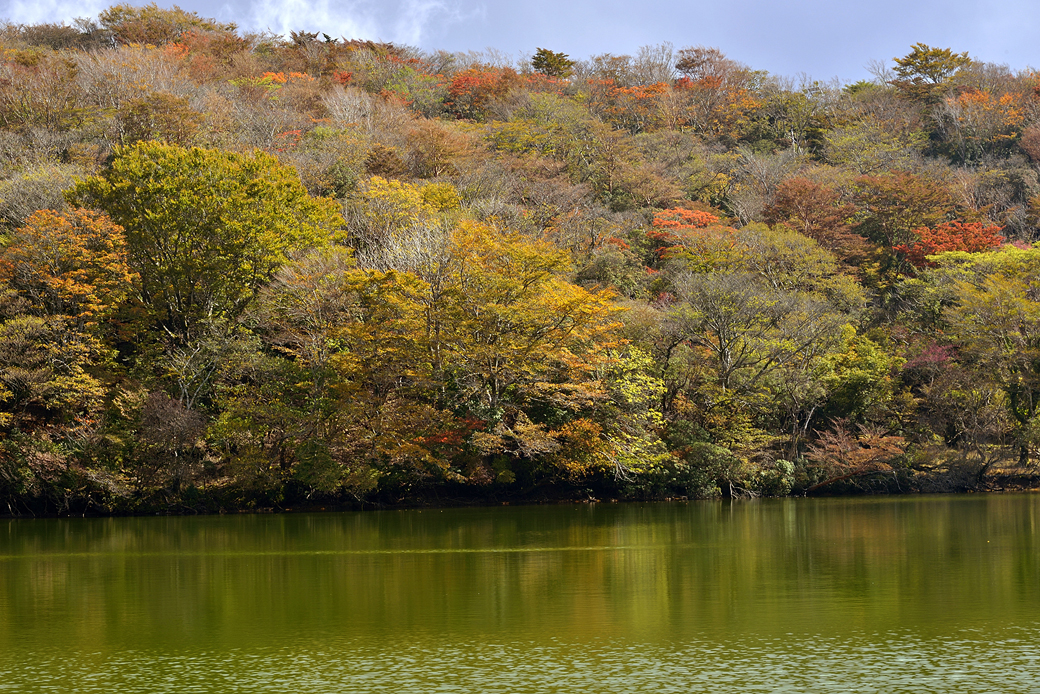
[[821, 39]]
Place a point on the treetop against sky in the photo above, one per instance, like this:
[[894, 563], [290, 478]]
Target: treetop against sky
[[816, 37]]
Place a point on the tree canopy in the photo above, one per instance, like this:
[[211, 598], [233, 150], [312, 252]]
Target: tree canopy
[[242, 271], [204, 228]]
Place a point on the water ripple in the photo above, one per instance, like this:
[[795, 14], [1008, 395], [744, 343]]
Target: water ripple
[[973, 660]]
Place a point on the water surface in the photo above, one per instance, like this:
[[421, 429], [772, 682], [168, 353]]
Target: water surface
[[917, 594]]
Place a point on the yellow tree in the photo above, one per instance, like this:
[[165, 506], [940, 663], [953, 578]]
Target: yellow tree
[[481, 323]]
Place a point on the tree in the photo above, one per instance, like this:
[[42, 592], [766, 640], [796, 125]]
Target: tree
[[789, 261], [153, 24], [716, 94], [479, 322], [204, 228], [45, 374], [40, 90], [841, 454], [37, 187], [871, 147], [551, 64], [748, 328], [925, 70], [473, 89], [696, 236], [700, 62], [749, 335], [896, 203], [158, 117], [995, 321], [976, 122], [816, 211], [1030, 142], [71, 263], [970, 237]]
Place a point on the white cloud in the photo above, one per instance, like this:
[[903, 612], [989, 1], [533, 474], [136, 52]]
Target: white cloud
[[347, 19], [400, 21], [56, 11], [417, 16]]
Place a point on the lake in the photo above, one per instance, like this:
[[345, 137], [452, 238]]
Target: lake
[[906, 594]]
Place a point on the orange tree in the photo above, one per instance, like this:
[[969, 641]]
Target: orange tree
[[971, 237], [71, 263]]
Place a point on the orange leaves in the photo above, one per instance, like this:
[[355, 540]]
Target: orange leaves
[[715, 106], [679, 231], [970, 237], [978, 121], [283, 78], [679, 218], [636, 109], [1008, 105], [287, 140], [71, 263]]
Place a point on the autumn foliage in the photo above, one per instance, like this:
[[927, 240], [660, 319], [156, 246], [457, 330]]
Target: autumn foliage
[[470, 91], [72, 263], [246, 271], [970, 237]]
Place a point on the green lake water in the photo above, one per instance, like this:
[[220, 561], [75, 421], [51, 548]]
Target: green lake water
[[915, 594]]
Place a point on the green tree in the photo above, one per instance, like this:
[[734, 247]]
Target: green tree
[[871, 147], [896, 203], [552, 64], [926, 70], [995, 320], [204, 228]]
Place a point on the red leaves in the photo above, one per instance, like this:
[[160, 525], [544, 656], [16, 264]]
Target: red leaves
[[971, 237], [470, 90]]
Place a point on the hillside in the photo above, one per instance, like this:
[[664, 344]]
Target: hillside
[[240, 271]]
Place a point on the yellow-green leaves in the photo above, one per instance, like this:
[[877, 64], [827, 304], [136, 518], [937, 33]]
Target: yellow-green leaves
[[205, 228]]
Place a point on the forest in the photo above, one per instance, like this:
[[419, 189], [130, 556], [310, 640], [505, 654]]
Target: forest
[[242, 271]]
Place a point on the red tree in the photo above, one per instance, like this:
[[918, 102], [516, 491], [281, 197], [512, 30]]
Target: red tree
[[471, 90], [971, 237], [816, 211]]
